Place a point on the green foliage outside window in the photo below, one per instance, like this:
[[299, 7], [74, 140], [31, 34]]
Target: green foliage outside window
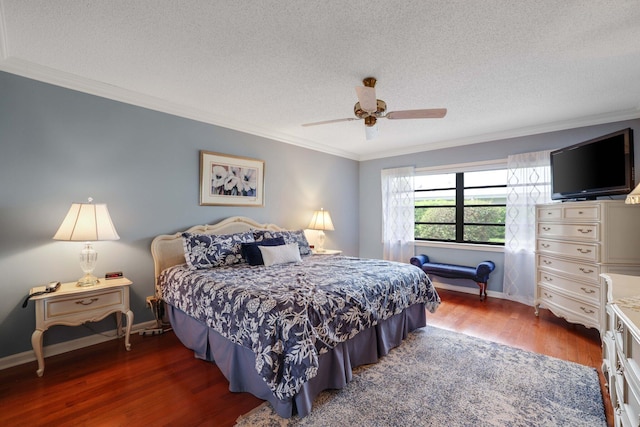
[[482, 223]]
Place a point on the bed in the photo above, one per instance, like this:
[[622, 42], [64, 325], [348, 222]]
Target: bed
[[284, 331]]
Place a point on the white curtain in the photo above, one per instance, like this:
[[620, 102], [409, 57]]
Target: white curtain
[[398, 216], [528, 184]]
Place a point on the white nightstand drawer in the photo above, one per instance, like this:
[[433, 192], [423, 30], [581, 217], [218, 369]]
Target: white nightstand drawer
[[84, 303]]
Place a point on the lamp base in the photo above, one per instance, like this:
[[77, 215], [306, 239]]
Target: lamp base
[[88, 280], [321, 238]]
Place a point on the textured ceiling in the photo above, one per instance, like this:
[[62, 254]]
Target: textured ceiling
[[502, 68]]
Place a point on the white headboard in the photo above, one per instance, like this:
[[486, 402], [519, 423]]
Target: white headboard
[[167, 249]]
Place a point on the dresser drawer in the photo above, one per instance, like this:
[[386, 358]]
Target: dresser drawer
[[586, 251], [578, 270], [588, 232], [591, 212], [589, 292], [70, 305], [571, 307], [549, 213]]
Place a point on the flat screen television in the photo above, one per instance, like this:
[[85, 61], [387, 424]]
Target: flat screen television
[[596, 168]]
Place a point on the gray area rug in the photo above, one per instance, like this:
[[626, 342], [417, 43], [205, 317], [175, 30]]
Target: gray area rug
[[443, 378]]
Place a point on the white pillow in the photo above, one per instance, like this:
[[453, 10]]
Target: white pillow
[[280, 254]]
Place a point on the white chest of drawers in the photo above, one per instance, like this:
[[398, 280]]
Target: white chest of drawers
[[575, 243]]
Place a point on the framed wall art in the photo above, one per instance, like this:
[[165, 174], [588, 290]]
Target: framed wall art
[[230, 180]]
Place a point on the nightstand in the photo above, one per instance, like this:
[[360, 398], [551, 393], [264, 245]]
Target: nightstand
[[327, 252], [72, 305]]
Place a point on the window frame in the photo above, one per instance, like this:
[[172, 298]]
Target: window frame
[[460, 170]]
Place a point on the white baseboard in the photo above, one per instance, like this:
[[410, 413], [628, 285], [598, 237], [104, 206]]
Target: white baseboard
[[466, 290], [63, 347]]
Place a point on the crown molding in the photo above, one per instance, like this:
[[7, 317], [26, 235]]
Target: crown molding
[[70, 81], [92, 87], [598, 119]]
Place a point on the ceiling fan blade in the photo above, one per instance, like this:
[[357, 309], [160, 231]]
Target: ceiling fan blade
[[371, 132], [431, 113], [326, 122], [367, 98]]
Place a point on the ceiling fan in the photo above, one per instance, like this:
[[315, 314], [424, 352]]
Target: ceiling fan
[[370, 109]]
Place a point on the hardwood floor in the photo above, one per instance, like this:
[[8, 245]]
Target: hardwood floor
[[159, 382]]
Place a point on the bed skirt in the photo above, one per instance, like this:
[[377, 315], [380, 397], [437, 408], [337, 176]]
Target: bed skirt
[[237, 363]]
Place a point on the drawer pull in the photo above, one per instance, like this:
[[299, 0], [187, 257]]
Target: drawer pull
[[619, 368], [584, 251], [583, 231], [548, 279], [549, 213], [580, 212], [85, 302], [585, 271], [588, 291], [587, 310], [547, 262], [546, 228], [545, 245], [548, 295], [619, 327]]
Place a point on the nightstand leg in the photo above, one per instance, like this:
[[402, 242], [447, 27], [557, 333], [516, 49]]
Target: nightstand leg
[[127, 345], [36, 343], [118, 324]]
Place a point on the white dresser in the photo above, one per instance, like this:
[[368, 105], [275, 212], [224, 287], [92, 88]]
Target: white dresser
[[575, 243], [621, 348]]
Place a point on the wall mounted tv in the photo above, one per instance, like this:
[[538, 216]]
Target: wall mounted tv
[[599, 167]]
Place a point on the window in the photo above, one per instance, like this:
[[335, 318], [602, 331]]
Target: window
[[462, 207]]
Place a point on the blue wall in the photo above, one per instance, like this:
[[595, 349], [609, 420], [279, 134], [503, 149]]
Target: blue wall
[[371, 198], [59, 146]]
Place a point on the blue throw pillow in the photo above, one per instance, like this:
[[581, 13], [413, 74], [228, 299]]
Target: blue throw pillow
[[251, 253], [296, 236], [213, 250]]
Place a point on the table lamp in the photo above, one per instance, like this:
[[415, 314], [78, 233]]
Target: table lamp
[[633, 198], [321, 221], [87, 222]]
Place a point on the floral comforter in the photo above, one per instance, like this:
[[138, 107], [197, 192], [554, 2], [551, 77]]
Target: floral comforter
[[288, 314]]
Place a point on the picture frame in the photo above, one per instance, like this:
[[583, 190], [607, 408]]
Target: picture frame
[[227, 180]]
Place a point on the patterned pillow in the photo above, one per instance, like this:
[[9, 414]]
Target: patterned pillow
[[213, 250], [296, 236], [251, 253], [283, 254]]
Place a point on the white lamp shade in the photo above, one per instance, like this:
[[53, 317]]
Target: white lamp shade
[[321, 220], [633, 198], [87, 222]]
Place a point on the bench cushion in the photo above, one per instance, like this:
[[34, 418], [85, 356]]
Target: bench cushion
[[479, 273]]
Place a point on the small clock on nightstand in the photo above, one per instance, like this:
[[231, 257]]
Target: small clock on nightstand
[[326, 252]]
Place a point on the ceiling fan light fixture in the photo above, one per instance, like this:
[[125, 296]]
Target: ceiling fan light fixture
[[371, 132], [369, 109], [370, 121]]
